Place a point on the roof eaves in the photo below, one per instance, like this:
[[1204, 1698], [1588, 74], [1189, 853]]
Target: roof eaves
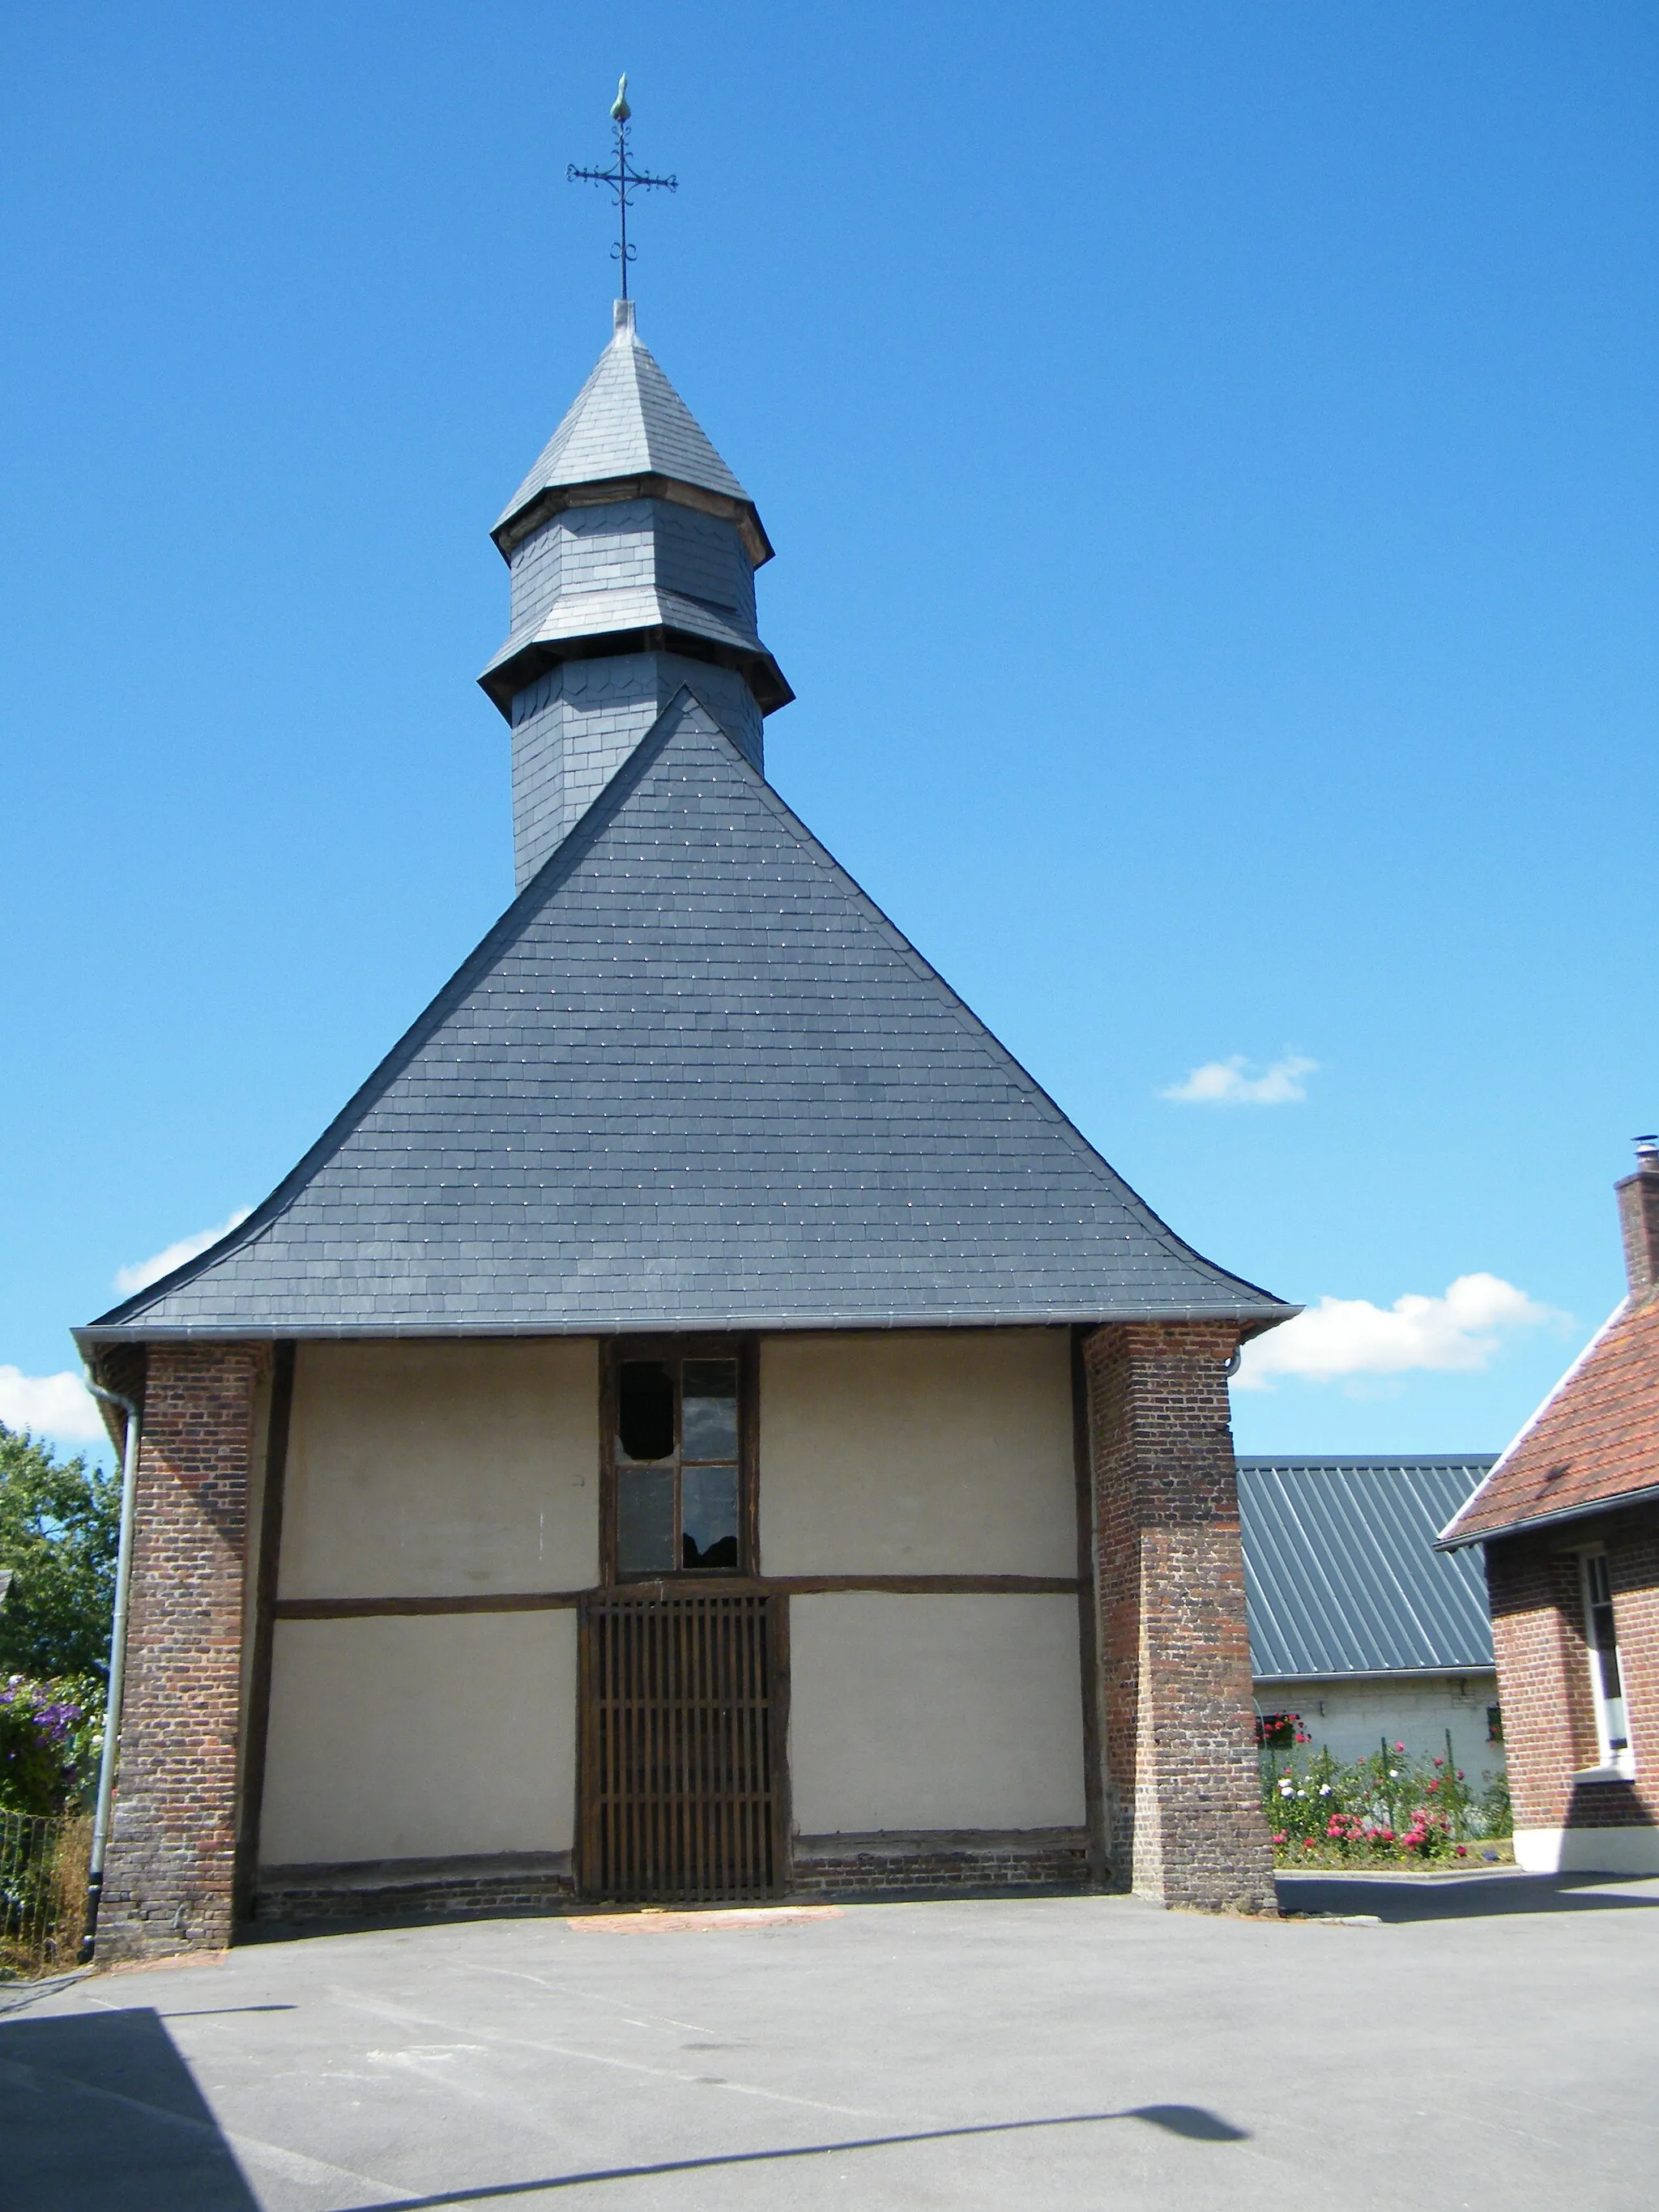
[[1447, 1541], [108, 1330], [1483, 1664], [1450, 1541]]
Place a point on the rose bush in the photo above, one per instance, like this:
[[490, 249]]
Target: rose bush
[[1389, 1809]]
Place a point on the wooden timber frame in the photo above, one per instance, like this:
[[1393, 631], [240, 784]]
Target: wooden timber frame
[[265, 1614], [557, 1601]]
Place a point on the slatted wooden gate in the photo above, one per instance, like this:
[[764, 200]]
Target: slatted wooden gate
[[685, 1708]]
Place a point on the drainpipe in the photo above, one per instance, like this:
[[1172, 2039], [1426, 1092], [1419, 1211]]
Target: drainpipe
[[118, 1655]]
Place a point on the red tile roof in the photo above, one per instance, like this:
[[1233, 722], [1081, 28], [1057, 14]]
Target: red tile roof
[[1595, 1441]]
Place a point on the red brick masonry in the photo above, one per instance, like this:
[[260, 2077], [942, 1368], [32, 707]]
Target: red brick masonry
[[1183, 1794], [168, 1879], [1544, 1673]]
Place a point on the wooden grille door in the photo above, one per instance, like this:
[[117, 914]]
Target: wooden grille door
[[684, 1719]]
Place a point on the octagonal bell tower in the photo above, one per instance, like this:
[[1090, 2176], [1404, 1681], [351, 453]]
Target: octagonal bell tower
[[632, 550]]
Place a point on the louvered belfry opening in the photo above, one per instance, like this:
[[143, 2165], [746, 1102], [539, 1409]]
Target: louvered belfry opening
[[683, 1757]]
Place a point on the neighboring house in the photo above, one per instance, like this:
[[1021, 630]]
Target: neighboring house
[[700, 1422], [1357, 1625], [1570, 1520]]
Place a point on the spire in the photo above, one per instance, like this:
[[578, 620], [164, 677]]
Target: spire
[[633, 550], [628, 421]]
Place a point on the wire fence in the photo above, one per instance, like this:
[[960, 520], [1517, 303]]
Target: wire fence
[[43, 1892]]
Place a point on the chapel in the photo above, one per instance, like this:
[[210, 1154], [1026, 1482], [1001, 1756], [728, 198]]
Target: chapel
[[701, 1424]]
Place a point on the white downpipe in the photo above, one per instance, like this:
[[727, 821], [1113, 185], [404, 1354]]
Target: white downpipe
[[118, 1659]]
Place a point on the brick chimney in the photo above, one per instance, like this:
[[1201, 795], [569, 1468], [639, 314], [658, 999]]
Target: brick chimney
[[1638, 1218]]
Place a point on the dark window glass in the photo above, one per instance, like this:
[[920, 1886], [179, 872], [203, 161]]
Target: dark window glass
[[645, 1410], [708, 1517], [709, 1419], [645, 1521], [677, 1465]]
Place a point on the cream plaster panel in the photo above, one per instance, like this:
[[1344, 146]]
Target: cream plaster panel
[[434, 1470], [934, 1712], [918, 1452], [432, 1737]]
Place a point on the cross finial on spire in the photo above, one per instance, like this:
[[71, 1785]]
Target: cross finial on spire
[[622, 178]]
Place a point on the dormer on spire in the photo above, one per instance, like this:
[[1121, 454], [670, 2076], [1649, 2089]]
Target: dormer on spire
[[632, 549]]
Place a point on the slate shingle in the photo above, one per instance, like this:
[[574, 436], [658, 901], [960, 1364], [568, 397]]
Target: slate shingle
[[627, 420], [692, 1078]]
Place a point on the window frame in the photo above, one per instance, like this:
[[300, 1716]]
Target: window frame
[[746, 1350], [1615, 1757]]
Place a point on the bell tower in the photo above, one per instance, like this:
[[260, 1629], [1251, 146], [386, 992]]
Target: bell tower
[[632, 550]]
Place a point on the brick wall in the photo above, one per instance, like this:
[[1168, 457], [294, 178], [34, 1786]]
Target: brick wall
[[168, 1883], [1544, 1669], [1181, 1784]]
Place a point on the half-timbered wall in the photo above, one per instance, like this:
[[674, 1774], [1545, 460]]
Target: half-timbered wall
[[436, 1496]]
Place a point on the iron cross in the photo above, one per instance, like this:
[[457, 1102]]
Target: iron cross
[[622, 179]]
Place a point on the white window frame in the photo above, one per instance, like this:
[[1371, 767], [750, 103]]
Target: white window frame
[[1612, 1711]]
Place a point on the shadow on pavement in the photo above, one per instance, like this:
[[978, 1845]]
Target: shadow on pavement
[[1191, 2121], [1478, 1897], [100, 2109]]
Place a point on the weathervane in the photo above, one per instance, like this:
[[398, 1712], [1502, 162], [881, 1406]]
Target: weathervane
[[622, 178]]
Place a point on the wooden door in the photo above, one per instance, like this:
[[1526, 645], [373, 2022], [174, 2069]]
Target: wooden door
[[684, 1725]]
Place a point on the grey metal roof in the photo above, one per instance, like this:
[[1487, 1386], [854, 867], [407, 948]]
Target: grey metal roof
[[627, 420], [693, 1078], [1340, 1570]]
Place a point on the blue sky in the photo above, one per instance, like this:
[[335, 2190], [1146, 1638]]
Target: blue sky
[[1211, 453]]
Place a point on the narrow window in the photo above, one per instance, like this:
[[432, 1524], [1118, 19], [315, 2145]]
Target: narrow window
[[1605, 1680], [677, 1466]]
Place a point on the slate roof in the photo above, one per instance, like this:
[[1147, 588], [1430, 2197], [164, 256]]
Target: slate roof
[[693, 1078], [1341, 1572], [621, 610], [1593, 1444], [627, 421]]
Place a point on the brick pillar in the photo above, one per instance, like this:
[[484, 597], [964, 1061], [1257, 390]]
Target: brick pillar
[[1543, 1673], [1183, 1800], [172, 1850]]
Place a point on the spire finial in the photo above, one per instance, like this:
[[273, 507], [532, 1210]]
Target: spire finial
[[622, 178]]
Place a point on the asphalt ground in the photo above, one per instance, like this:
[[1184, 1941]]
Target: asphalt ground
[[1484, 2042]]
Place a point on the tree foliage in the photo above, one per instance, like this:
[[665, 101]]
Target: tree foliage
[[60, 1525]]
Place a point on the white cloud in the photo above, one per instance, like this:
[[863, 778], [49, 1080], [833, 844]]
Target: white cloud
[[1460, 1331], [1229, 1083], [142, 1272], [59, 1406]]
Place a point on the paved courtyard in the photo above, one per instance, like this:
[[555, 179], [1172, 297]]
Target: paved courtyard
[[1489, 2042]]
